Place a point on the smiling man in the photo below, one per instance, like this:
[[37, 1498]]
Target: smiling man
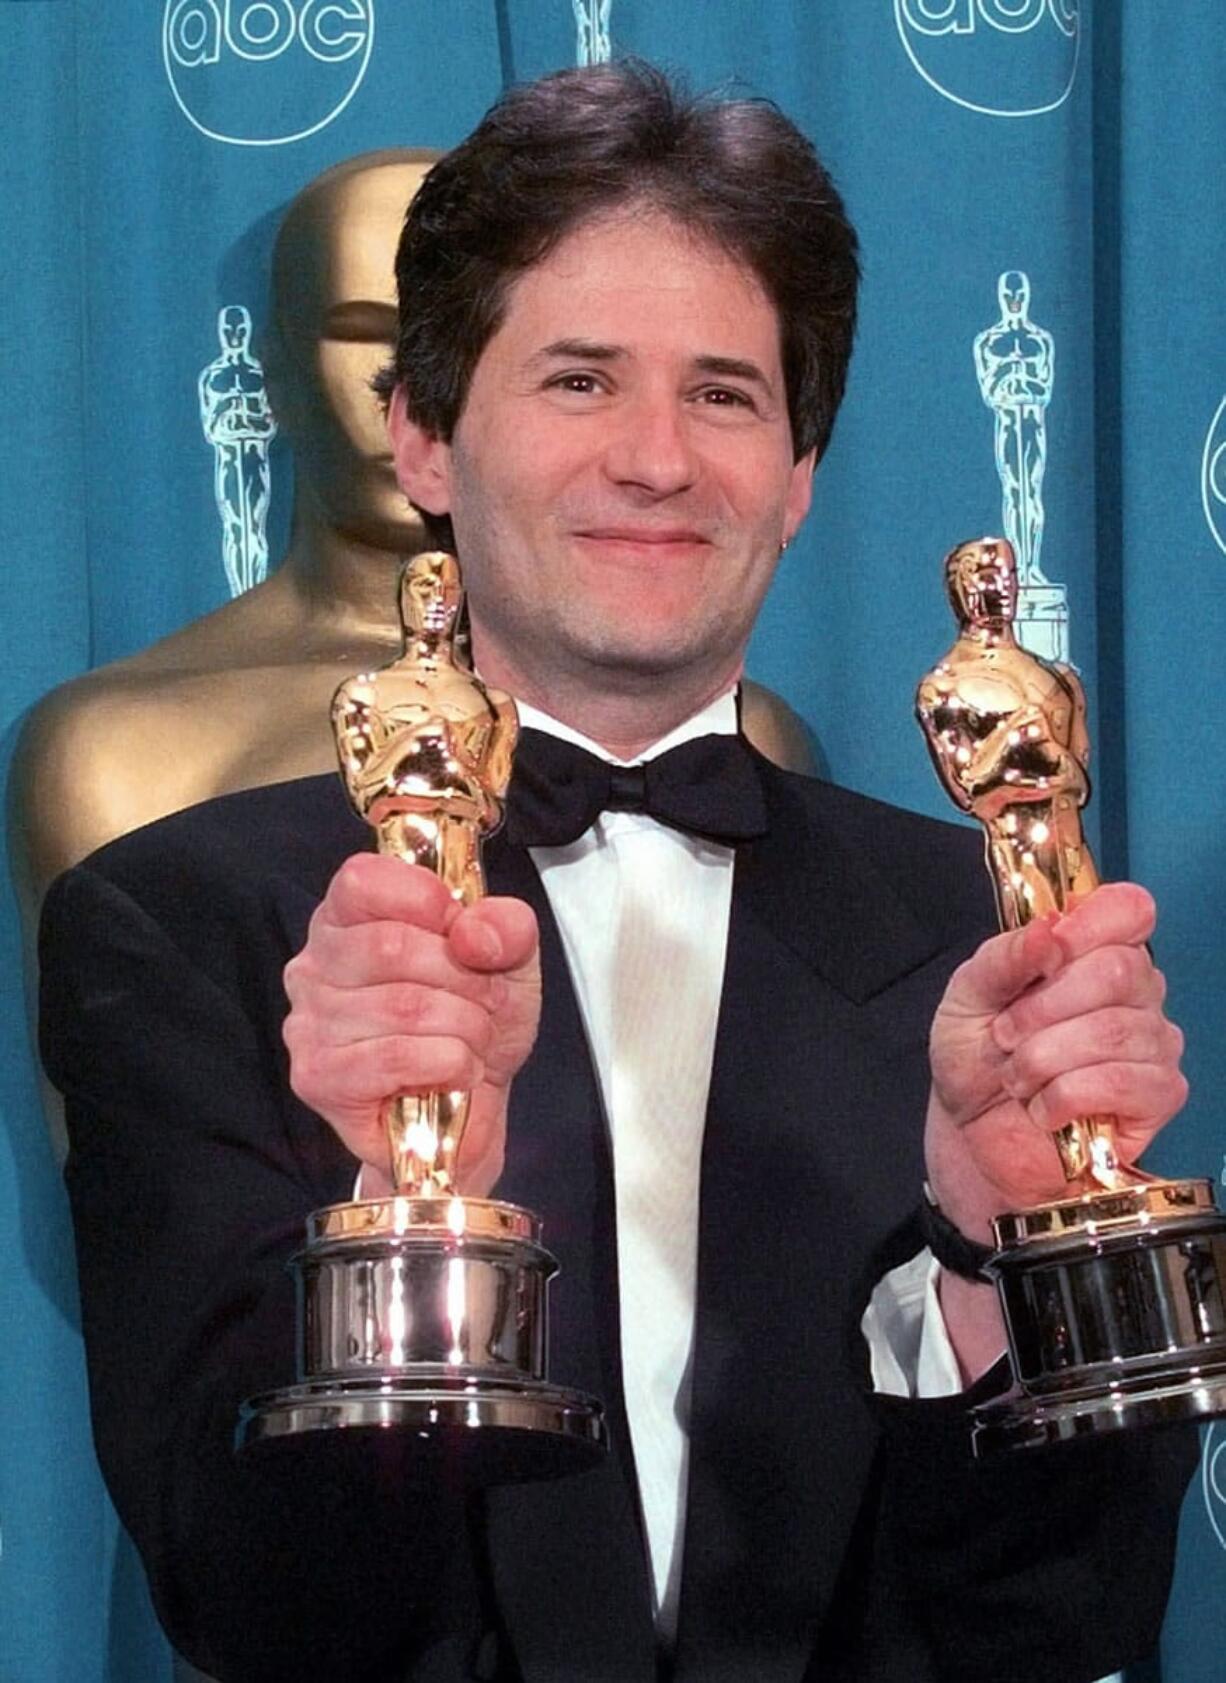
[[619, 490], [719, 1057]]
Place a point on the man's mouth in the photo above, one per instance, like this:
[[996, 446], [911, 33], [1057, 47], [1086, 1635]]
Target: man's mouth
[[650, 538]]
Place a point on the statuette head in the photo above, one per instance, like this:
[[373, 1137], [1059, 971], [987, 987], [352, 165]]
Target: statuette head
[[981, 578]]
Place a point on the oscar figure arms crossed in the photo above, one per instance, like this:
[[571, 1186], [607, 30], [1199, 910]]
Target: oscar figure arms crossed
[[412, 983], [1059, 1020]]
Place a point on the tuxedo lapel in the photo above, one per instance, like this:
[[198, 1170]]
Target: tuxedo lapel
[[817, 1033], [567, 1557]]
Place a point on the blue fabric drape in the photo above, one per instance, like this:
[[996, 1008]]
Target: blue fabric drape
[[146, 155]]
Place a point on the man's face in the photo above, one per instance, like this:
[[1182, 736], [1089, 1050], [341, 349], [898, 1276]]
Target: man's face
[[621, 477]]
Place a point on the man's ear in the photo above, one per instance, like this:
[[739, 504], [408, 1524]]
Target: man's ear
[[423, 462], [799, 495]]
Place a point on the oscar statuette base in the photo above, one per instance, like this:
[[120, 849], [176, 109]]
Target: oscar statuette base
[[1115, 1308], [425, 1318]]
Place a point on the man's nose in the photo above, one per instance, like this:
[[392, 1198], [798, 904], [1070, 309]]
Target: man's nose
[[653, 448]]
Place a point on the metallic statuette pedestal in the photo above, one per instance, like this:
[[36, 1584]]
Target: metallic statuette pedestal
[[429, 1315], [422, 1315], [1115, 1306], [1114, 1298]]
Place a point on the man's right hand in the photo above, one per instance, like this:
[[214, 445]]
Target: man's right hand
[[398, 990]]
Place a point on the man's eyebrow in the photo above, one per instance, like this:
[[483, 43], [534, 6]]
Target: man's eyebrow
[[734, 368], [582, 350]]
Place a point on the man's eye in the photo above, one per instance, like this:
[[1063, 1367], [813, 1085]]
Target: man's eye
[[725, 397], [581, 384]]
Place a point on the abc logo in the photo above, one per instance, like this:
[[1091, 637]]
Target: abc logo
[[1213, 497], [1003, 58], [265, 72]]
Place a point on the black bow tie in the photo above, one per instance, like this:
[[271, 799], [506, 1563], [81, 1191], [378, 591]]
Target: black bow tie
[[708, 787]]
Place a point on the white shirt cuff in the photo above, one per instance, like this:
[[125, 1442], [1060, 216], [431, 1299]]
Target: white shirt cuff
[[910, 1354]]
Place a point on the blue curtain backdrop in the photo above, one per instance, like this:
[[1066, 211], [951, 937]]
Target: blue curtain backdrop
[[146, 150]]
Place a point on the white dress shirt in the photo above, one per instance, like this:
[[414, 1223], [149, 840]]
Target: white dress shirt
[[667, 897]]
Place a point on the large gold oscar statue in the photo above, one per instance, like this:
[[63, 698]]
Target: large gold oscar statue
[[239, 698], [1114, 1297]]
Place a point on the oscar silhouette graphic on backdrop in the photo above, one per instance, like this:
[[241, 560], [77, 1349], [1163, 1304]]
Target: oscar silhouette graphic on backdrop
[[1015, 364], [237, 421]]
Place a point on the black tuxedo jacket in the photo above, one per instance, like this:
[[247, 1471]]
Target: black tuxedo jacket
[[831, 1534]]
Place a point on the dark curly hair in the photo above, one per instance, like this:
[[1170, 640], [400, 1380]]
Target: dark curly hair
[[554, 153]]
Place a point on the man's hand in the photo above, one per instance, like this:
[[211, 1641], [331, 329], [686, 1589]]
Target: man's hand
[[1060, 1019], [398, 989]]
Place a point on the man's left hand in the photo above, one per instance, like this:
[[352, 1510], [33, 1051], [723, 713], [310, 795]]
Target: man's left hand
[[1059, 1019]]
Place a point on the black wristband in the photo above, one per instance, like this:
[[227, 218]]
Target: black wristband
[[952, 1248]]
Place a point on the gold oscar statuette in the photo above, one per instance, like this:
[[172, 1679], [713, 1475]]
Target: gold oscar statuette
[[426, 1310], [1114, 1297]]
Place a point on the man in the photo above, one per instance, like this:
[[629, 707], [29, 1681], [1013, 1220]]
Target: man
[[624, 326]]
